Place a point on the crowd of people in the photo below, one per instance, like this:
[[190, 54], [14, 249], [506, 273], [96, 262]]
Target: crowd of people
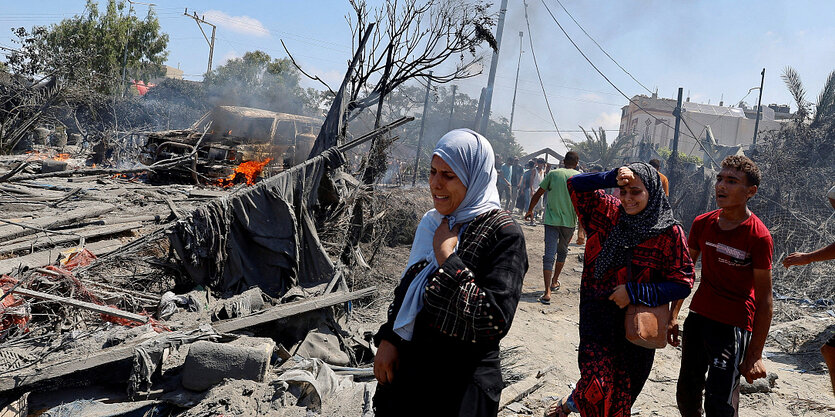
[[438, 352]]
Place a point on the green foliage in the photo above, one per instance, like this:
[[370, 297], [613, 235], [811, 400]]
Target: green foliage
[[258, 80], [798, 92], [665, 153], [825, 107], [809, 145], [596, 150], [90, 50]]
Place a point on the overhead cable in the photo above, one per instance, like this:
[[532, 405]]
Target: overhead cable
[[660, 121], [601, 48], [539, 76]]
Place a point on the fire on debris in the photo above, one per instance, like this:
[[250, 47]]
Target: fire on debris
[[249, 170]]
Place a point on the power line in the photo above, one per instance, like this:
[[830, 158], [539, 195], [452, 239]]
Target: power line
[[601, 48], [582, 100], [552, 85], [661, 121], [553, 131], [539, 76]]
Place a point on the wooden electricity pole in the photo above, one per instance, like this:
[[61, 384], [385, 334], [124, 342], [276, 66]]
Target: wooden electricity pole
[[759, 109], [211, 41], [451, 109], [672, 163], [516, 86], [494, 63]]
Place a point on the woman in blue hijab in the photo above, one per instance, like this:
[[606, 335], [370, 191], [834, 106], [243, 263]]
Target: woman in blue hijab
[[438, 352]]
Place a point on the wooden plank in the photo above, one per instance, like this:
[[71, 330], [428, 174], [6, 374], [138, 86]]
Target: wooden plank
[[115, 312], [56, 369], [10, 231], [47, 257], [519, 390], [290, 309], [119, 220], [87, 233]]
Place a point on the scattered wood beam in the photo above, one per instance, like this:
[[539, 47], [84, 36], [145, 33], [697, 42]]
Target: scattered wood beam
[[46, 371], [47, 257], [519, 390], [115, 312], [10, 231], [86, 233], [291, 309]]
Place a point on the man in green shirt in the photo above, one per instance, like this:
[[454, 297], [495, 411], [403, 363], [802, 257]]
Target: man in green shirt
[[560, 220]]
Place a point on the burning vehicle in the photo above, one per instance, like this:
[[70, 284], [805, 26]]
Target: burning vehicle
[[239, 143]]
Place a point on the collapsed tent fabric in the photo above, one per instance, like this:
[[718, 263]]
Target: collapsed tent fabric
[[263, 236]]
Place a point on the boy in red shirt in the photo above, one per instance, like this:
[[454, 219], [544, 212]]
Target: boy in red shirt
[[731, 311]]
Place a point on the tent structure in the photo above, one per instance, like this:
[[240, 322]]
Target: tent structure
[[547, 152]]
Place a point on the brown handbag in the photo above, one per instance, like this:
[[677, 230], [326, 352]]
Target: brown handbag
[[647, 326]]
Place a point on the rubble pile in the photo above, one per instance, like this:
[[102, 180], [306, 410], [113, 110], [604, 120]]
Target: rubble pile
[[164, 294]]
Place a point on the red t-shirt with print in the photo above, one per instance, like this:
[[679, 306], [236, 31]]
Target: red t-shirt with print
[[729, 257]]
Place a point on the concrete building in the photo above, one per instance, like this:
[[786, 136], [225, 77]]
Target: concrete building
[[730, 125]]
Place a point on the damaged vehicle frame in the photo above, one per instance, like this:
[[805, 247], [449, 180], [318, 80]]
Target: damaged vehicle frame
[[236, 135]]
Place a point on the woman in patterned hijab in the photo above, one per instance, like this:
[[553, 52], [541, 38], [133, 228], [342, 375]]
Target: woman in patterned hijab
[[636, 253]]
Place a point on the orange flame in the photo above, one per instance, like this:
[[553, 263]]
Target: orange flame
[[38, 156], [62, 157], [249, 169]]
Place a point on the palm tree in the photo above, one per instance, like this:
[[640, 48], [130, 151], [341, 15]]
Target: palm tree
[[825, 106], [596, 150]]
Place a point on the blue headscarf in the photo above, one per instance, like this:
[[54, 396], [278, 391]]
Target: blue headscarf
[[471, 158]]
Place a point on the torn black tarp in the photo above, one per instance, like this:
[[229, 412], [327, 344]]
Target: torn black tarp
[[263, 236]]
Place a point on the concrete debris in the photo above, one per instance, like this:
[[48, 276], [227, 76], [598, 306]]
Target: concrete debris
[[147, 356], [762, 385], [208, 363]]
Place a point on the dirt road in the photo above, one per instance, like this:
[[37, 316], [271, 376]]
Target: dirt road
[[546, 337]]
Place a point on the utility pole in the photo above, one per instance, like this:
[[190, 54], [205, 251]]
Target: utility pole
[[422, 125], [479, 110], [759, 109], [674, 156], [516, 86], [211, 42], [451, 109], [493, 64]]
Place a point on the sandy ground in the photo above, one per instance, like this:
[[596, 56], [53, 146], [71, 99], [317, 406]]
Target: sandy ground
[[548, 337]]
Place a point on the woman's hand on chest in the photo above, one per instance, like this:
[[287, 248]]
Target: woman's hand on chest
[[445, 241]]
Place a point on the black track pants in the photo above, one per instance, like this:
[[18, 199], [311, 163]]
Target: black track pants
[[710, 357]]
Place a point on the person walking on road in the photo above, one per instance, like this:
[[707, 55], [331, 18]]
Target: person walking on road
[[560, 220]]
